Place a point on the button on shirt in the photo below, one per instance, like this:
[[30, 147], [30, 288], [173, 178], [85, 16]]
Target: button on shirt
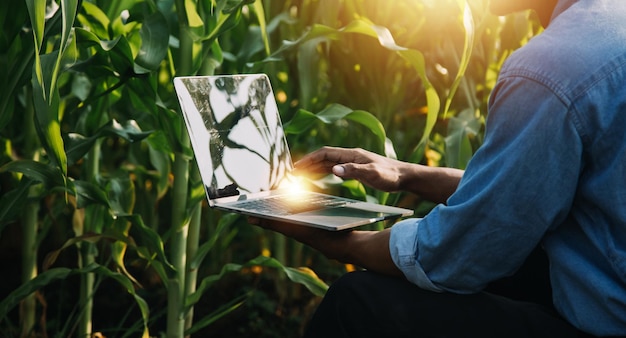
[[552, 171]]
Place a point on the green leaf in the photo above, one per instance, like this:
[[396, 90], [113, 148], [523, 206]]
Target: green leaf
[[52, 256], [129, 131], [149, 239], [87, 38], [88, 193], [458, 146], [37, 12], [230, 6], [173, 126], [43, 279], [78, 145], [154, 43], [121, 56], [68, 11], [161, 162], [433, 103], [308, 72], [81, 86], [468, 44], [371, 122], [127, 283], [214, 316], [12, 201], [209, 281], [389, 149], [142, 92], [95, 20], [303, 120], [47, 120], [379, 32], [260, 14], [121, 195], [37, 171], [304, 276], [16, 66], [224, 223], [356, 188], [319, 32], [333, 113], [191, 14], [226, 16]]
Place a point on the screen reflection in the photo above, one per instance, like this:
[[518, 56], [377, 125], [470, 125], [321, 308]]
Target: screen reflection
[[236, 118]]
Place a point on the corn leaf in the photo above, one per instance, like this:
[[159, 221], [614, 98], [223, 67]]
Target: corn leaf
[[304, 276], [154, 43]]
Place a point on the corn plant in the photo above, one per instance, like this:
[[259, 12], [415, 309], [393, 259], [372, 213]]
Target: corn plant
[[90, 74]]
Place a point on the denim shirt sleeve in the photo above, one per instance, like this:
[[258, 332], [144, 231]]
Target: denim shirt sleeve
[[518, 186], [402, 243]]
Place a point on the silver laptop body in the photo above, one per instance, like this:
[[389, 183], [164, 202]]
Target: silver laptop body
[[244, 161]]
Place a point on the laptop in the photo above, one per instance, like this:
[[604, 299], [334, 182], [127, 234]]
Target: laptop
[[244, 161]]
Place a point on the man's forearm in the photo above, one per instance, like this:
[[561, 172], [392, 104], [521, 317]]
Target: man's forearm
[[369, 250], [432, 183]]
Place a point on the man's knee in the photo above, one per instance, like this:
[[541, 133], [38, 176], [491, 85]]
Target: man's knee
[[349, 308], [345, 290], [353, 286]]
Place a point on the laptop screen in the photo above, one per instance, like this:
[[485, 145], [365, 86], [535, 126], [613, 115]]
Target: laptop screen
[[235, 129]]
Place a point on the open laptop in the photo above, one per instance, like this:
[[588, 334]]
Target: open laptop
[[244, 161]]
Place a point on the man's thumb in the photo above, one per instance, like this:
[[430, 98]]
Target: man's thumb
[[339, 170]]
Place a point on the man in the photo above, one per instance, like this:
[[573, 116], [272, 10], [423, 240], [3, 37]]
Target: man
[[551, 172]]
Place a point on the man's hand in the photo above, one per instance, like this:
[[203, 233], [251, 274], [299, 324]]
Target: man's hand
[[371, 169], [382, 173]]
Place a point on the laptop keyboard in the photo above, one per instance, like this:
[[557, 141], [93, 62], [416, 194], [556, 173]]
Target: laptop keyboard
[[287, 205]]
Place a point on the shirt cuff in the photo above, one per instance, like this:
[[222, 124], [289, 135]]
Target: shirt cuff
[[403, 248]]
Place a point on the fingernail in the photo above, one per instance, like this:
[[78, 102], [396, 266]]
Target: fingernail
[[339, 170]]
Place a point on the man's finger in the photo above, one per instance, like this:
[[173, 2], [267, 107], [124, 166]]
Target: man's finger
[[339, 170]]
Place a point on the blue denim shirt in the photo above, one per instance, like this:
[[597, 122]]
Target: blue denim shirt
[[552, 171]]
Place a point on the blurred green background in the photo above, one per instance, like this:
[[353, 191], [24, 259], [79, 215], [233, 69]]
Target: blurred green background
[[104, 228]]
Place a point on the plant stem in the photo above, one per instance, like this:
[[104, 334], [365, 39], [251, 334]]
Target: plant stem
[[87, 249], [280, 253], [177, 284], [30, 226], [178, 255], [86, 291], [193, 242], [29, 259]]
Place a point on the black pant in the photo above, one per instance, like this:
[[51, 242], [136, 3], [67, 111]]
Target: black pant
[[365, 304]]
